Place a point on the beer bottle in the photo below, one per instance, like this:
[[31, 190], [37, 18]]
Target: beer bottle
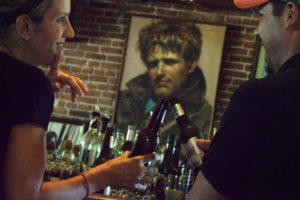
[[166, 167], [147, 140], [176, 155], [105, 154], [86, 140], [188, 135], [97, 140]]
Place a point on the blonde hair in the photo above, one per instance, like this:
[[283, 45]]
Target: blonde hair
[[10, 9]]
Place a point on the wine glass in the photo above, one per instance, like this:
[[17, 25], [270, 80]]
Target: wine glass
[[116, 142]]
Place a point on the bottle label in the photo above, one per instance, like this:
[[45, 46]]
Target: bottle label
[[193, 153], [178, 110]]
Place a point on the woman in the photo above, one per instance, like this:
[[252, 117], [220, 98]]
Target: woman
[[32, 33]]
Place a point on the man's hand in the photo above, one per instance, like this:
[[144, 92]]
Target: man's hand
[[59, 79], [203, 144]]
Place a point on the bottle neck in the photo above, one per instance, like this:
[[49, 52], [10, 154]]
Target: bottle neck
[[158, 116], [104, 123], [130, 135]]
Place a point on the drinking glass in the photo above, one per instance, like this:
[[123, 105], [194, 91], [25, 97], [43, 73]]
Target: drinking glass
[[116, 142]]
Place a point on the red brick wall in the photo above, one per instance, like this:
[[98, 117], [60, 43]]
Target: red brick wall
[[96, 53]]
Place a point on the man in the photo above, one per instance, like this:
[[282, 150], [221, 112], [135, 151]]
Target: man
[[256, 153], [171, 52]]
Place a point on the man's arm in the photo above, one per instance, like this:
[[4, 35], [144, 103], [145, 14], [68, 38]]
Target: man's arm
[[203, 190]]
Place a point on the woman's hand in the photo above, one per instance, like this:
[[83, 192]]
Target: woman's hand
[[131, 173], [59, 79]]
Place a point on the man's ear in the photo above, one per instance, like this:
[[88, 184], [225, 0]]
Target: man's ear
[[292, 14], [23, 26], [193, 66]]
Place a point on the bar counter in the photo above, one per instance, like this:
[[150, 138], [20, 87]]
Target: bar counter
[[104, 197]]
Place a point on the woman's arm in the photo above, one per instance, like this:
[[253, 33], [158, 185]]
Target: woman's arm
[[25, 165]]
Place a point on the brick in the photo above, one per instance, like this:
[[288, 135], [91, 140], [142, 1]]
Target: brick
[[233, 20], [225, 95], [244, 59], [70, 45], [112, 58], [111, 28], [234, 42], [96, 56], [106, 20], [109, 95], [77, 113], [249, 44], [93, 64], [237, 29], [91, 48], [89, 100], [75, 53], [161, 4], [112, 50], [166, 12], [99, 4], [93, 26], [103, 87], [251, 22], [106, 101], [238, 82], [71, 105], [62, 111], [235, 50], [231, 73], [98, 78], [101, 42], [75, 69], [238, 66], [61, 103], [118, 44], [89, 33], [110, 73], [112, 14], [143, 9], [75, 61], [93, 11], [94, 93], [111, 66]]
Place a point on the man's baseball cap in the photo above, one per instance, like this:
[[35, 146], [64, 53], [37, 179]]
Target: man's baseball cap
[[248, 4]]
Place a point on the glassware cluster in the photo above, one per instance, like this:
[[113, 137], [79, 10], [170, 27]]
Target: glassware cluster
[[103, 141]]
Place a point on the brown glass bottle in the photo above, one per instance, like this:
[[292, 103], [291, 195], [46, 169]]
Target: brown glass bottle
[[105, 154], [188, 135], [166, 167], [147, 140]]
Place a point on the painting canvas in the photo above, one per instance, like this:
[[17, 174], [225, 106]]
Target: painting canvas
[[260, 71], [209, 62]]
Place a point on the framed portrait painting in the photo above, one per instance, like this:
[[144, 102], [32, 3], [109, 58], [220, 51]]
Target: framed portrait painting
[[166, 57], [259, 70]]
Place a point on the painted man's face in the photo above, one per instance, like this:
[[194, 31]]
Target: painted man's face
[[167, 71]]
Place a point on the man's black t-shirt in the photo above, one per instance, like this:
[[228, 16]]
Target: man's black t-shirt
[[256, 153], [26, 96]]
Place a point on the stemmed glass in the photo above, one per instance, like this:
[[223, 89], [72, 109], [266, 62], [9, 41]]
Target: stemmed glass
[[116, 142]]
